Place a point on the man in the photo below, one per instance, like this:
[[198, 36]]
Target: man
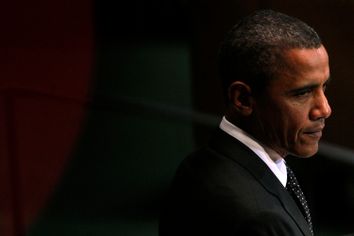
[[275, 71]]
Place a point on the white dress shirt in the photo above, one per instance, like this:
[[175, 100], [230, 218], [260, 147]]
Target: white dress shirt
[[278, 167]]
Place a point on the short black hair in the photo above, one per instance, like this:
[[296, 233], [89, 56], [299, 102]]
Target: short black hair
[[252, 50]]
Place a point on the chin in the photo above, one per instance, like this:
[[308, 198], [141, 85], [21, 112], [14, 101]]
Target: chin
[[305, 152]]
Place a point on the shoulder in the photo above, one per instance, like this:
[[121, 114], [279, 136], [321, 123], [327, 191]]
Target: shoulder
[[207, 174], [222, 152], [210, 163]]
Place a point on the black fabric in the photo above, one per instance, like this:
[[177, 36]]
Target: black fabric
[[225, 189]]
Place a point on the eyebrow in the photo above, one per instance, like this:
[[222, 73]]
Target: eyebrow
[[308, 87]]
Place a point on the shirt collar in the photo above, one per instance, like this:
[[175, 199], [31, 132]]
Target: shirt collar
[[266, 154]]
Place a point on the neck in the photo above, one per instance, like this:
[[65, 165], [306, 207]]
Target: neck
[[246, 124]]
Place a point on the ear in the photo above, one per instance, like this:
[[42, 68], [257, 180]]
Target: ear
[[240, 96]]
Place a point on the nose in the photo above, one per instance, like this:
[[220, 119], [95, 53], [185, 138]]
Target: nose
[[321, 108]]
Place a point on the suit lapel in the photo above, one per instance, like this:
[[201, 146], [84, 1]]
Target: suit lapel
[[232, 148]]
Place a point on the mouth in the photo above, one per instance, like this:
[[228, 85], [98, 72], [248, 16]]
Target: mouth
[[315, 133]]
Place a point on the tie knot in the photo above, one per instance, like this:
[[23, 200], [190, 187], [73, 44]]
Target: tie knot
[[291, 179]]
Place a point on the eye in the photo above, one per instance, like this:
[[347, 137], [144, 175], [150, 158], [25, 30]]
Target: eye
[[325, 85], [324, 88], [303, 92]]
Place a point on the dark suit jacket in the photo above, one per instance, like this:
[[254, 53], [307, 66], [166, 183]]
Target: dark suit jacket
[[225, 189]]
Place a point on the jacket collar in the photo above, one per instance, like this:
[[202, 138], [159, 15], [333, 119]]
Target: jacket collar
[[232, 148]]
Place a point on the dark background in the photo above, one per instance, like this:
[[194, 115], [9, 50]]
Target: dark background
[[100, 101]]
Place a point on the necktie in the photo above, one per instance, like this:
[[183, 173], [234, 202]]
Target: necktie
[[294, 189]]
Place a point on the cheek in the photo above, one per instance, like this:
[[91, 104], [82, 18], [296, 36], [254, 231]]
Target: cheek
[[282, 122], [294, 125], [280, 128], [289, 120]]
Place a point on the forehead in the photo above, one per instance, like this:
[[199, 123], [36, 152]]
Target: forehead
[[304, 66], [307, 59]]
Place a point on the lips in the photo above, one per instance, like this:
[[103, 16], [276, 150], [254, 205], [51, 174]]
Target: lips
[[315, 132]]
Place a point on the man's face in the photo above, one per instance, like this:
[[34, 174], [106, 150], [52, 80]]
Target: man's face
[[291, 116]]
